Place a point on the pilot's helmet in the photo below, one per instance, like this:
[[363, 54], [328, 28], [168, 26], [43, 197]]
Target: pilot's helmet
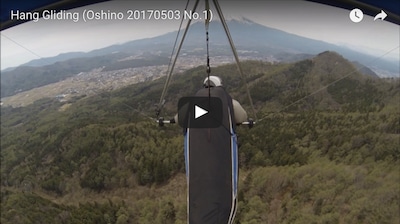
[[214, 81]]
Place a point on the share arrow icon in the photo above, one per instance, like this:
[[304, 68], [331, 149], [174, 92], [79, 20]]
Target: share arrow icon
[[382, 15]]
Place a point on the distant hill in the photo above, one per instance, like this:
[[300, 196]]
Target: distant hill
[[251, 39], [319, 77], [247, 35], [364, 70], [51, 60], [24, 78]]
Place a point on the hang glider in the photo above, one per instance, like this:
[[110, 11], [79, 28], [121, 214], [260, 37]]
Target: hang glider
[[211, 153]]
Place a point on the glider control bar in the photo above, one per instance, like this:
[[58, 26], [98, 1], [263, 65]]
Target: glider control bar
[[161, 122]]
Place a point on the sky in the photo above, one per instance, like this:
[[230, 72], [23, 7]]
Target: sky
[[50, 37]]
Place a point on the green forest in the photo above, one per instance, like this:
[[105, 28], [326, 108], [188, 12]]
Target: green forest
[[325, 149]]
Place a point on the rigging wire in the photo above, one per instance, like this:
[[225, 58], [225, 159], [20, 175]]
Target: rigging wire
[[27, 49], [221, 16], [95, 91], [207, 24], [218, 8], [163, 94], [331, 83], [123, 103], [162, 101]]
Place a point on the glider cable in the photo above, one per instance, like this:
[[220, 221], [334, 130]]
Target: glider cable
[[207, 23], [329, 84], [22, 46], [162, 98], [221, 16]]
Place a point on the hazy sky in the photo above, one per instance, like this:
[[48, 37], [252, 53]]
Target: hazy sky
[[45, 38]]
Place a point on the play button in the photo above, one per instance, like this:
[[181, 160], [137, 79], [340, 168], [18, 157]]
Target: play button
[[198, 112]]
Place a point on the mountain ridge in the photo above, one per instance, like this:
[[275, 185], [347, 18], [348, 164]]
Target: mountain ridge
[[258, 31], [266, 44]]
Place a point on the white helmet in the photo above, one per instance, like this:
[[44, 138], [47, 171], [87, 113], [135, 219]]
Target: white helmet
[[214, 81]]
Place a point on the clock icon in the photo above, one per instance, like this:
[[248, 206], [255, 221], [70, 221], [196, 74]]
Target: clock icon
[[356, 15]]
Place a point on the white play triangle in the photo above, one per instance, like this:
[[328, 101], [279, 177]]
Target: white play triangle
[[198, 112]]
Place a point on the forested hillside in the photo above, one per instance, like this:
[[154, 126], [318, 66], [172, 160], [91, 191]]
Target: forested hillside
[[325, 149]]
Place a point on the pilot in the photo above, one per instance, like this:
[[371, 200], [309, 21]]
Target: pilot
[[211, 158], [240, 114]]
